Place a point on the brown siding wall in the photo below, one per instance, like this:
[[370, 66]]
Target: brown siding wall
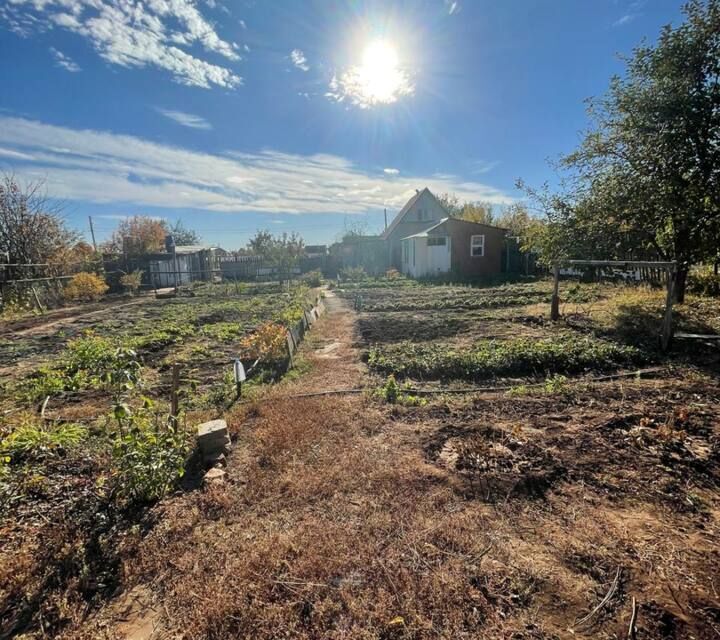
[[462, 262]]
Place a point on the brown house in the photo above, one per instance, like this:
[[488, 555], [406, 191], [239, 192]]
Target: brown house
[[423, 241]]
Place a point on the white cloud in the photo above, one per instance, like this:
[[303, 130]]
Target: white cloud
[[135, 34], [391, 172], [185, 119], [483, 166], [101, 167], [452, 6], [299, 60], [64, 62]]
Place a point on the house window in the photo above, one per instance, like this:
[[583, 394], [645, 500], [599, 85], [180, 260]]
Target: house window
[[436, 241], [477, 246], [421, 214]]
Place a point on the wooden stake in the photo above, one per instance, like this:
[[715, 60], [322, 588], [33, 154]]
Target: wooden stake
[[667, 328], [174, 405], [555, 303]]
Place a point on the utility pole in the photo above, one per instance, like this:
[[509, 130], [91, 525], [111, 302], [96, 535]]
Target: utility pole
[[92, 234], [385, 210]]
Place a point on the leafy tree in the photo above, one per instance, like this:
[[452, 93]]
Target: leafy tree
[[471, 211], [182, 235], [137, 235], [31, 227], [646, 178], [283, 250]]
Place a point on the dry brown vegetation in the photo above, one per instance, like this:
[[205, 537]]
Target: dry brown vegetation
[[488, 515]]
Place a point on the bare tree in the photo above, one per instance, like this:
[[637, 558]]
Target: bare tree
[[31, 226]]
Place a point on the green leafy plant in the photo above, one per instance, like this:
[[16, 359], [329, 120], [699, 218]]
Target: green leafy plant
[[149, 453], [394, 393], [520, 356]]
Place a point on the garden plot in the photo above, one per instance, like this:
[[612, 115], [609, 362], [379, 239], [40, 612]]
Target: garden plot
[[447, 333]]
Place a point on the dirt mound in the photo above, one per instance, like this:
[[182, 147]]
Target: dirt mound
[[495, 465]]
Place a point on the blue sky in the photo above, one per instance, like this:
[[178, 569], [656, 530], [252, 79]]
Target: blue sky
[[298, 116]]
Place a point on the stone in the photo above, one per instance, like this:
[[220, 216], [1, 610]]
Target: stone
[[214, 475], [213, 438]]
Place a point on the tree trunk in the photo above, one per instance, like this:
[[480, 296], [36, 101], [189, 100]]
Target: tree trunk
[[680, 280]]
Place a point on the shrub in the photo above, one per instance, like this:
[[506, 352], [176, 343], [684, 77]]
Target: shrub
[[704, 281], [86, 287], [268, 343], [148, 454], [312, 278], [393, 274], [353, 274], [131, 281]]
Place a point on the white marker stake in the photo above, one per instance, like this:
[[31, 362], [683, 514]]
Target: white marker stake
[[239, 372]]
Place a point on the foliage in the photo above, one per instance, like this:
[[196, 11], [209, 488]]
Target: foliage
[[181, 234], [131, 281], [645, 182], [268, 343], [519, 356], [394, 393], [31, 228], [283, 250], [137, 235], [393, 274], [148, 454], [88, 362], [30, 439], [471, 211], [704, 281], [312, 278], [85, 286], [353, 274]]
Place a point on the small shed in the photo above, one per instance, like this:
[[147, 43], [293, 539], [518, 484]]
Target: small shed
[[189, 263], [468, 249]]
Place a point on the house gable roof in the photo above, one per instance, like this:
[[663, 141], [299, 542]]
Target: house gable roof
[[408, 205]]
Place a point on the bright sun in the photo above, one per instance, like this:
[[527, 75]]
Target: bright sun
[[378, 79]]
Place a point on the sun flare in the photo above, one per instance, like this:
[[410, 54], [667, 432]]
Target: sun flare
[[378, 79]]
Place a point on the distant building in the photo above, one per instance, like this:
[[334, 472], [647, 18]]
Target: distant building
[[316, 250], [424, 241], [188, 263]]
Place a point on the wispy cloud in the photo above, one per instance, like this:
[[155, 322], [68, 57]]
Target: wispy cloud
[[102, 167], [634, 10], [63, 61], [130, 34], [483, 166], [452, 6], [185, 119], [391, 172], [299, 60], [626, 19]]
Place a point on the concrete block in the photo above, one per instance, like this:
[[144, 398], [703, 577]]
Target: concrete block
[[213, 436]]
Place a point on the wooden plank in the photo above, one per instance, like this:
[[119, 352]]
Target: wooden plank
[[696, 336], [621, 263]]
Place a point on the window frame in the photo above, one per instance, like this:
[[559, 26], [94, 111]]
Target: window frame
[[444, 240], [480, 245]]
